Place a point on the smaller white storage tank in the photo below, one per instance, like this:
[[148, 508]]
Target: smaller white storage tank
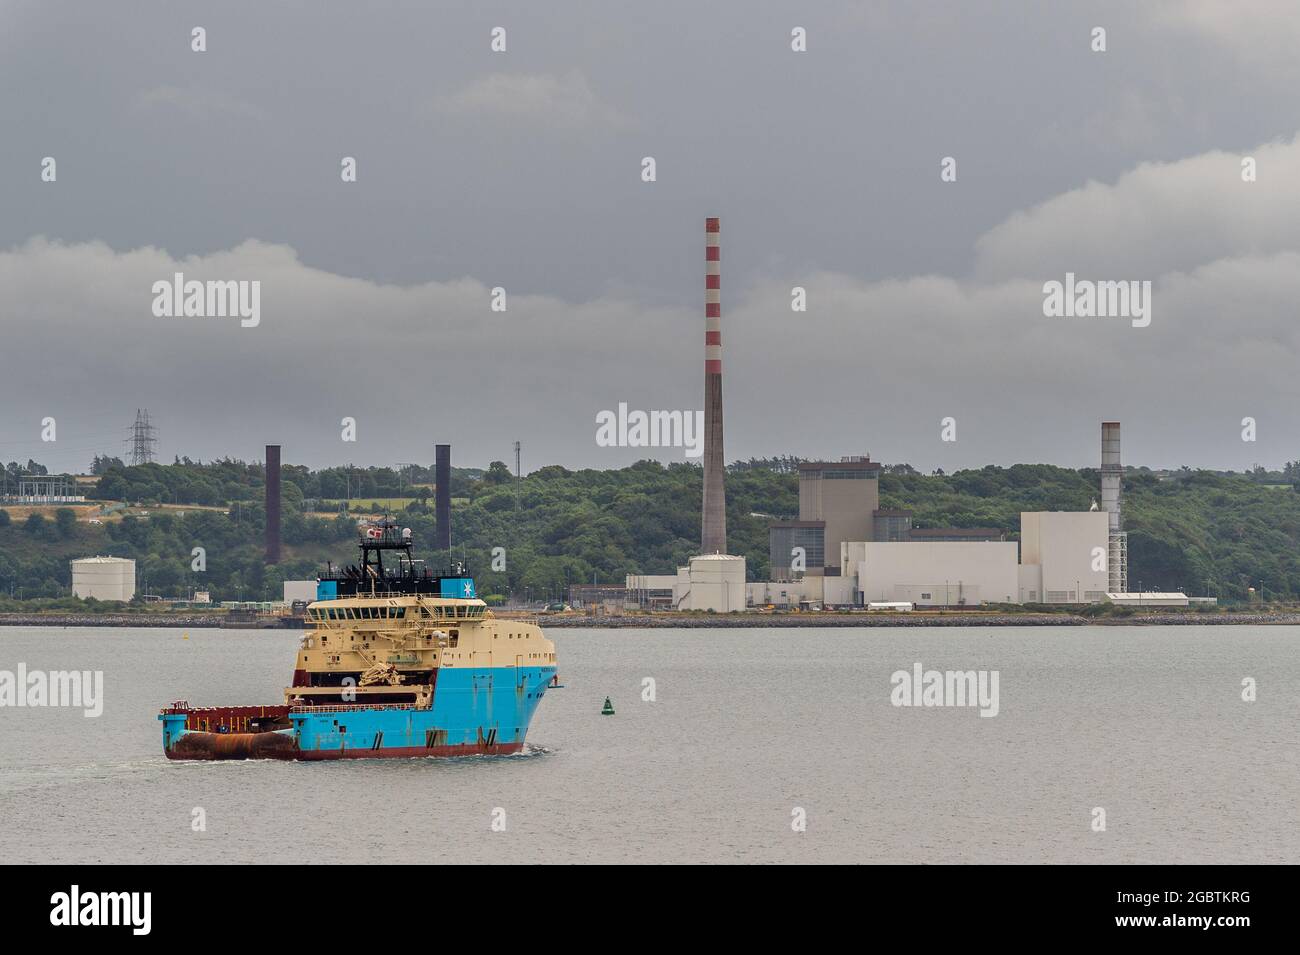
[[104, 578], [711, 582]]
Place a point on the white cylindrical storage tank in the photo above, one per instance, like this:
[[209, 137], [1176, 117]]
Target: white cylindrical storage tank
[[104, 578], [717, 583]]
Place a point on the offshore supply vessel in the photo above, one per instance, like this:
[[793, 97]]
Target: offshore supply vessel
[[397, 662]]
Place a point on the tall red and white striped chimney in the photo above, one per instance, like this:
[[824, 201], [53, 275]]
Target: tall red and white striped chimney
[[713, 537]]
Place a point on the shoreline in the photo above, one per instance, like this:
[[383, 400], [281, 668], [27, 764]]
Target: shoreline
[[925, 620], [179, 621], [699, 622]]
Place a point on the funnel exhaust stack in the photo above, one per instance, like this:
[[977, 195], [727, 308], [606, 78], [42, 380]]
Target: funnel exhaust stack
[[442, 497], [273, 504], [1112, 481], [713, 536]]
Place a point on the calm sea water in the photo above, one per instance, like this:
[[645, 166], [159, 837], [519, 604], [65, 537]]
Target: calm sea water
[[1146, 723]]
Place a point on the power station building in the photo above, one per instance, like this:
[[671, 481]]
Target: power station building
[[932, 573], [1063, 557], [1060, 558], [845, 551], [837, 501]]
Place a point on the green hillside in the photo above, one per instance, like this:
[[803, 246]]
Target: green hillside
[[1205, 532]]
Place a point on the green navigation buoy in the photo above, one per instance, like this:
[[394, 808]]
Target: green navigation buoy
[[607, 709]]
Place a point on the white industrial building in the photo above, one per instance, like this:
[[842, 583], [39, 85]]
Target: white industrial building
[[782, 593], [1064, 557], [1152, 600], [933, 573], [650, 591], [104, 578]]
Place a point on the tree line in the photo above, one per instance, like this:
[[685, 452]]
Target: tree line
[[1204, 532]]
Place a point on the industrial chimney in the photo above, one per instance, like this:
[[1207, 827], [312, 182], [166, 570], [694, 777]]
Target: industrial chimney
[[442, 497], [1112, 479], [713, 537], [272, 503]]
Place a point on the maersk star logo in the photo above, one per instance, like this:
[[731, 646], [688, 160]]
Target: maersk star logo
[[469, 589]]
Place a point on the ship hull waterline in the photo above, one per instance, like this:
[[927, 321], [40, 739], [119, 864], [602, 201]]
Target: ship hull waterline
[[220, 747], [475, 712]]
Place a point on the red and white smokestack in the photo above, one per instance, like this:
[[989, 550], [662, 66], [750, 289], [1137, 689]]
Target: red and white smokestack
[[713, 536], [712, 298]]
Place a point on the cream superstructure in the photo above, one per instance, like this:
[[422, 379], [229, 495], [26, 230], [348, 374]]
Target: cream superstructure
[[392, 646]]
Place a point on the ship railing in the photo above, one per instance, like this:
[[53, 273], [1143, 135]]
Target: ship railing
[[365, 594], [368, 594], [352, 707], [513, 617]]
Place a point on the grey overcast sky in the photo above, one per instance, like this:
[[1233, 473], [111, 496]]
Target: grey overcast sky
[[522, 170]]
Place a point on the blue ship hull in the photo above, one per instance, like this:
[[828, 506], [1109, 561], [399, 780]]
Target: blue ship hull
[[475, 711]]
